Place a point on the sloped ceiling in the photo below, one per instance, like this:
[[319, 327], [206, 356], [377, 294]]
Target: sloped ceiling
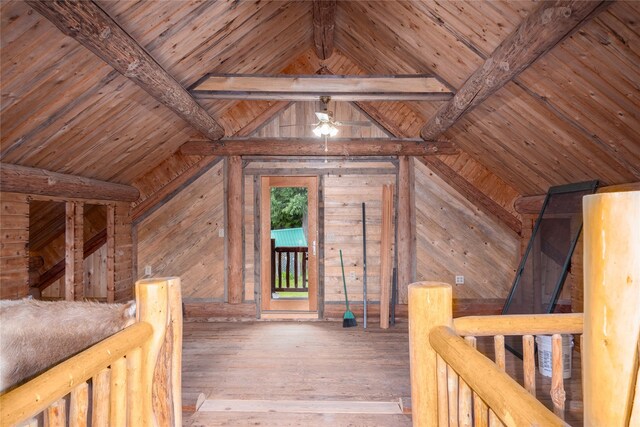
[[572, 116]]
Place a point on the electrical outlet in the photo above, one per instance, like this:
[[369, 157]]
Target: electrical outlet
[[459, 280], [221, 232], [352, 275], [147, 270]]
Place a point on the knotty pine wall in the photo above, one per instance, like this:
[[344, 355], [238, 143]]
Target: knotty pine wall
[[181, 238], [94, 272], [455, 238], [14, 243]]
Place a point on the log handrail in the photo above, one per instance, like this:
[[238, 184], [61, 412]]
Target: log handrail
[[519, 324], [502, 394], [36, 395], [135, 373]]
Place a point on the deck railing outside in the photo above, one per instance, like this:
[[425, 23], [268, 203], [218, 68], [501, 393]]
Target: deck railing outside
[[289, 265]]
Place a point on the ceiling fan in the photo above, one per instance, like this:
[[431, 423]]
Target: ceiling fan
[[327, 125]]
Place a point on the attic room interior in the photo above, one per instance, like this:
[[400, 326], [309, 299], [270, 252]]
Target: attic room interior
[[326, 211]]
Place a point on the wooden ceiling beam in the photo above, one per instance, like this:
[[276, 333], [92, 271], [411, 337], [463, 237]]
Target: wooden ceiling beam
[[324, 24], [539, 32], [417, 87], [317, 147], [86, 22], [26, 180]]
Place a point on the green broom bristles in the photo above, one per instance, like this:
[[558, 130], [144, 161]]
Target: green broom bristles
[[348, 320]]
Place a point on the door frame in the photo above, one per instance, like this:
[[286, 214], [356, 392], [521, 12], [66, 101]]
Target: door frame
[[311, 184]]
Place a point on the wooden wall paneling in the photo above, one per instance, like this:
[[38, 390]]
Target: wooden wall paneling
[[74, 253], [111, 252], [385, 254], [470, 177], [595, 104], [185, 238], [343, 198], [249, 242], [406, 241], [294, 121], [465, 188], [234, 237], [95, 275], [454, 238], [14, 243], [123, 259], [540, 31], [88, 23]]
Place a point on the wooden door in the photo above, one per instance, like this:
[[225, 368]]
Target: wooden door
[[267, 301]]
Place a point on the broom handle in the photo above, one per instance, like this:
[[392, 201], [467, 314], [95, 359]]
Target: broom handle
[[364, 264], [344, 282]]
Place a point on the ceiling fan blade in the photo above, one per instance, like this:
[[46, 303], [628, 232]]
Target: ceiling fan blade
[[298, 125], [361, 124], [323, 117]]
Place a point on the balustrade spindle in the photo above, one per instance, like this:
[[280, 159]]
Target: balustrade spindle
[[529, 364]]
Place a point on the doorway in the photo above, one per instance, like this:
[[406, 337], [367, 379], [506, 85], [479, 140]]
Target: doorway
[[288, 242]]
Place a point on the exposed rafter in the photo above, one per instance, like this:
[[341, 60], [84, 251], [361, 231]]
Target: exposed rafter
[[86, 22], [317, 147], [419, 87], [324, 24], [26, 180], [540, 31]]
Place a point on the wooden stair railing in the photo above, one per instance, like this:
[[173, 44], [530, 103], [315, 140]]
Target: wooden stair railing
[[134, 374], [465, 387], [453, 384]]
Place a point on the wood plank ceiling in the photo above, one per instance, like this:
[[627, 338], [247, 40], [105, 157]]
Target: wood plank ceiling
[[571, 116]]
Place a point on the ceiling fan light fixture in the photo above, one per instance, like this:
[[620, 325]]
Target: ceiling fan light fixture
[[325, 129]]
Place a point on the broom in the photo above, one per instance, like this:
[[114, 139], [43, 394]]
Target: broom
[[349, 320]]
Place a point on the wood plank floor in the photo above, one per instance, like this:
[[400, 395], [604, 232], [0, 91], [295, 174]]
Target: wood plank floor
[[274, 362], [301, 361]]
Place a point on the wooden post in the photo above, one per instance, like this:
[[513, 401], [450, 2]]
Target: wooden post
[[234, 229], [134, 391], [79, 405], [175, 318], [406, 227], [111, 252], [118, 399], [151, 300], [558, 395], [74, 253], [100, 398], [529, 364], [611, 301], [430, 305], [385, 254]]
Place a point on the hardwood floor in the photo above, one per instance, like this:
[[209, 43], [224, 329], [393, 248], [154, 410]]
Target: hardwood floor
[[274, 362], [321, 366]]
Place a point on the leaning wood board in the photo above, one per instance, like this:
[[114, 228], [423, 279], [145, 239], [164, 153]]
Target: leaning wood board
[[385, 254]]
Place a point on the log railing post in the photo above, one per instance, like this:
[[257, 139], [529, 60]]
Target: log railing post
[[158, 303], [611, 301], [429, 306]]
